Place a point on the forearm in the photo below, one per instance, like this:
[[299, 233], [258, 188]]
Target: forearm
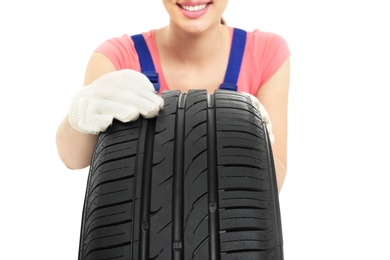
[[74, 148], [281, 169]]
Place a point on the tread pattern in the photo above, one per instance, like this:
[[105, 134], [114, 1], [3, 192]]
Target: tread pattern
[[197, 182]]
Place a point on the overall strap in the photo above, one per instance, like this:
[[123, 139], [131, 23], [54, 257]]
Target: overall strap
[[146, 61], [232, 71], [235, 60]]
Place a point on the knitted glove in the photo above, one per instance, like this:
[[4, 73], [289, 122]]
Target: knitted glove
[[123, 95], [264, 114]]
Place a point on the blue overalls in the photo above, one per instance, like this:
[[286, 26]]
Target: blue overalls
[[232, 71]]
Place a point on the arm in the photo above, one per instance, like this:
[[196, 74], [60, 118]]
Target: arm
[[273, 95], [75, 148]]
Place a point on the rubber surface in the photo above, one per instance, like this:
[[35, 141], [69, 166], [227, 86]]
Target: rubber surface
[[197, 182]]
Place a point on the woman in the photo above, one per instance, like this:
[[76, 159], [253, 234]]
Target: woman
[[191, 52]]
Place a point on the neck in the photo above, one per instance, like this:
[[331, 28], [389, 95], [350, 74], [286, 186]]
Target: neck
[[195, 48]]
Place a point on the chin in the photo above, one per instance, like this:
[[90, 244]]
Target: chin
[[196, 27]]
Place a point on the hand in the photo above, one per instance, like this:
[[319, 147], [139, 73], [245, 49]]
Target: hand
[[123, 95], [264, 114]]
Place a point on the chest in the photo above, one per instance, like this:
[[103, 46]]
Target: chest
[[184, 78], [205, 68]]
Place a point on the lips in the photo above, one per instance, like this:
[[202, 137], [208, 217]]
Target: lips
[[193, 10]]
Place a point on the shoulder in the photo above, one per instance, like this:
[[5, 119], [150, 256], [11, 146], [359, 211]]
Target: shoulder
[[267, 49], [121, 52], [266, 42], [122, 42], [265, 52], [115, 42]]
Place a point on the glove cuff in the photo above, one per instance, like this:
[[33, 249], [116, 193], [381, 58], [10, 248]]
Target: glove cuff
[[74, 114]]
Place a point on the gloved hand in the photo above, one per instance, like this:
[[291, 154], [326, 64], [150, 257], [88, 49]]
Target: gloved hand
[[263, 112], [123, 95]]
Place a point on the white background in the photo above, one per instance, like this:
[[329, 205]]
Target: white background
[[336, 196]]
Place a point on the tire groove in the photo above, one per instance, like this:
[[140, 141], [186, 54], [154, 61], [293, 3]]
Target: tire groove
[[88, 214], [146, 189], [214, 241], [178, 180]]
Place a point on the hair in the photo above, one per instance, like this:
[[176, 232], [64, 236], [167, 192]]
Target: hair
[[223, 21]]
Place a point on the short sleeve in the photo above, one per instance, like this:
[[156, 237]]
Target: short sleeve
[[273, 52], [121, 52], [265, 53]]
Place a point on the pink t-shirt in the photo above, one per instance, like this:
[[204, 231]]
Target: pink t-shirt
[[264, 53]]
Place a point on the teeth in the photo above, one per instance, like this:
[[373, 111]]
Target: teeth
[[194, 8]]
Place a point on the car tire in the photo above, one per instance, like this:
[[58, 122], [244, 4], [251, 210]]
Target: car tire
[[196, 182]]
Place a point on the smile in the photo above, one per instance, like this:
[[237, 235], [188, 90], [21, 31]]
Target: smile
[[194, 8]]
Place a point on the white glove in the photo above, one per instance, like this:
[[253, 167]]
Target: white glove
[[264, 114], [123, 95]]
